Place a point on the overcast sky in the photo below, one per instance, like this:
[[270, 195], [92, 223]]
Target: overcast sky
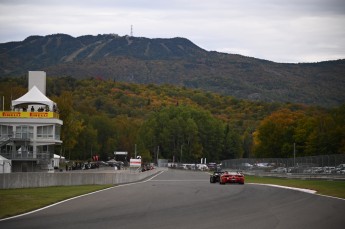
[[278, 30]]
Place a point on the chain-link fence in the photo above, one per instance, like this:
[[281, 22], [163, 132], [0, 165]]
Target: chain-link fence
[[323, 164]]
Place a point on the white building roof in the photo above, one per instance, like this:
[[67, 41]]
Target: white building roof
[[32, 97]]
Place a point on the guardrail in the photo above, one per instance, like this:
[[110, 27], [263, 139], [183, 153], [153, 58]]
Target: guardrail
[[25, 155]]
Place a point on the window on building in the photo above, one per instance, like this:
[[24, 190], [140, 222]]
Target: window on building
[[6, 131], [25, 132], [45, 132], [57, 132]]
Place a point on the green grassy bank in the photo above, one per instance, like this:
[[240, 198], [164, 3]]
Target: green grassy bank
[[17, 201], [324, 187]]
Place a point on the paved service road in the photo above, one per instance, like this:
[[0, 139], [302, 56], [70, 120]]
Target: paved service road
[[183, 199]]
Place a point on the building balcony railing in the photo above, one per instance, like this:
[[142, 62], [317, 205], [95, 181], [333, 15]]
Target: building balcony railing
[[27, 114], [25, 155]]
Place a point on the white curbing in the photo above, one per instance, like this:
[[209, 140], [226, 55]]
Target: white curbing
[[286, 187]]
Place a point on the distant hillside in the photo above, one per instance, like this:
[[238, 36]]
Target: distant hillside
[[175, 61]]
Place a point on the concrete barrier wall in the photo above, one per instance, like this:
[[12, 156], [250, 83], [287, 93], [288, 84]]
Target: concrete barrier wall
[[33, 180]]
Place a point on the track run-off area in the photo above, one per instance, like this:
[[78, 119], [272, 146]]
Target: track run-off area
[[186, 199]]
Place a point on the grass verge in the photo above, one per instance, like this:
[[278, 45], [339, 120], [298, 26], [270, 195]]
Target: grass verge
[[18, 201], [324, 187]]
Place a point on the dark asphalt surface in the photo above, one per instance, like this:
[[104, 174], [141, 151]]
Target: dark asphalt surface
[[183, 199]]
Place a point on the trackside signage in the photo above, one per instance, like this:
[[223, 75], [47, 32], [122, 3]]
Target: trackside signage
[[13, 114], [135, 163]]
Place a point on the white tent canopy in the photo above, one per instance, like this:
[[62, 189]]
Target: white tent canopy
[[5, 165], [33, 97], [58, 157], [56, 160]]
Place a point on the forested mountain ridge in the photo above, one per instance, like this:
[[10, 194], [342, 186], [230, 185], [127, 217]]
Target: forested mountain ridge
[[175, 61], [103, 116]]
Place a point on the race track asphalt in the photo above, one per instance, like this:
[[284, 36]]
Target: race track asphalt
[[185, 199]]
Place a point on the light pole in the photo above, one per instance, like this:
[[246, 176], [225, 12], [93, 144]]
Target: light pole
[[157, 155], [294, 154], [181, 154]]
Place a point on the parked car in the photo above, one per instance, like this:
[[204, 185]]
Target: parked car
[[202, 167], [279, 170], [328, 169], [245, 166], [231, 177], [340, 169], [214, 178], [212, 166]]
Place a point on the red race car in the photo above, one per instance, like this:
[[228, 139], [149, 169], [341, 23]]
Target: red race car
[[231, 177]]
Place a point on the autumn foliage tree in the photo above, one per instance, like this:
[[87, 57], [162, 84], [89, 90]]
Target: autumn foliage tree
[[275, 135], [73, 124], [183, 133], [314, 132]]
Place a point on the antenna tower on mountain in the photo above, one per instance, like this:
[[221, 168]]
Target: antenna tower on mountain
[[131, 30]]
